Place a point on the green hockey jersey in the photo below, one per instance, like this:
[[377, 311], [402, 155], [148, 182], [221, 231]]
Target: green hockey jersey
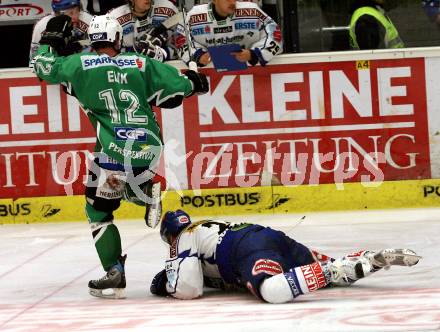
[[116, 92]]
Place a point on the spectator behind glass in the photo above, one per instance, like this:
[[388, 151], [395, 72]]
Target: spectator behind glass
[[432, 10], [371, 28]]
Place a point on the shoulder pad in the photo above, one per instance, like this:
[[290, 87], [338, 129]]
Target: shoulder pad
[[199, 9], [120, 11], [165, 3], [84, 16]]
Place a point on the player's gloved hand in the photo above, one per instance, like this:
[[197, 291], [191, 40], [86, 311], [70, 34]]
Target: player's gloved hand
[[147, 48], [58, 33], [199, 82], [157, 36], [158, 284], [72, 47], [159, 30], [154, 40]]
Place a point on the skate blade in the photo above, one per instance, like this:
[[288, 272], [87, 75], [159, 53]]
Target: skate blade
[[155, 210], [398, 257], [109, 293]]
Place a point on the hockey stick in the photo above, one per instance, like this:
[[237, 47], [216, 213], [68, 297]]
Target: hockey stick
[[192, 65]]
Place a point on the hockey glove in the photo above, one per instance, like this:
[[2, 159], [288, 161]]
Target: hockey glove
[[199, 82], [150, 50], [159, 284], [71, 48], [156, 41], [157, 36], [58, 33]]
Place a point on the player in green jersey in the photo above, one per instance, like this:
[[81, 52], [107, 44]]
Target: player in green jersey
[[116, 90]]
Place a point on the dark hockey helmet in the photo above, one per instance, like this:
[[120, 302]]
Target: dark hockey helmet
[[173, 222], [59, 5]]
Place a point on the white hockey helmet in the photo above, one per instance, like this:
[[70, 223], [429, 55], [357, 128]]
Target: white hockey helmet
[[104, 28]]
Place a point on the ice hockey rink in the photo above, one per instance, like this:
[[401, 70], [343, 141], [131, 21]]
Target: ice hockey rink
[[44, 270]]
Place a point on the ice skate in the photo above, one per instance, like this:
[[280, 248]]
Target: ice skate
[[112, 285], [153, 204], [401, 257], [390, 257], [345, 271]]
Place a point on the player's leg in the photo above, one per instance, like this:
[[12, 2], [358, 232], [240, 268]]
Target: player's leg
[[277, 268], [144, 190], [301, 280], [103, 195], [378, 260], [263, 257]]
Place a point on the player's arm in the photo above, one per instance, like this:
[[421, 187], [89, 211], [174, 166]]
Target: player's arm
[[270, 44], [36, 36], [182, 277], [185, 276], [167, 86], [48, 65]]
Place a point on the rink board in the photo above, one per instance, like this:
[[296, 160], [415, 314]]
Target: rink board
[[241, 201], [265, 140]]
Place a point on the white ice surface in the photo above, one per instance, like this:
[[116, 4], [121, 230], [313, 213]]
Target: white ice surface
[[45, 268]]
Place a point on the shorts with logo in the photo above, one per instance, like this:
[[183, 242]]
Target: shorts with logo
[[108, 182], [257, 253]]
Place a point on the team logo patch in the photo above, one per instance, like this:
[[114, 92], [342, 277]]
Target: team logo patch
[[132, 134], [164, 11], [250, 12], [98, 36], [267, 266], [179, 41], [223, 29], [201, 30], [244, 25], [82, 26], [128, 29], [124, 19], [198, 18], [182, 220], [93, 61], [140, 64], [313, 276]]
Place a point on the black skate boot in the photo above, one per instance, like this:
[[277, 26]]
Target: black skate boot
[[153, 204], [112, 285]]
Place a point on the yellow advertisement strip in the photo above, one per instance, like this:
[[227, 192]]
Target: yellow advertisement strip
[[56, 209], [240, 201], [218, 202], [358, 196]]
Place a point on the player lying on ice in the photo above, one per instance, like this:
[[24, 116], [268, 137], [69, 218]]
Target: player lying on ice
[[274, 267]]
